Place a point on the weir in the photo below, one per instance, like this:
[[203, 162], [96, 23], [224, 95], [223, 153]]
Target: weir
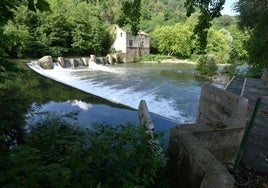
[[172, 97], [80, 62]]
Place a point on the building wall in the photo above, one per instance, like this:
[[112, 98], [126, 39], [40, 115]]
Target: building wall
[[141, 40], [131, 46], [120, 43]]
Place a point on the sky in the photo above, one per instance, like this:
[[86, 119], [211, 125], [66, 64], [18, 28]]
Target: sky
[[228, 6]]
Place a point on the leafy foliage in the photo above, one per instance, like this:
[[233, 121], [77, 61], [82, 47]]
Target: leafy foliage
[[131, 15], [207, 65], [57, 154], [253, 17], [209, 9], [174, 40], [219, 44]]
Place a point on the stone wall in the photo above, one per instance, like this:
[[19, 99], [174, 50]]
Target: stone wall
[[133, 53]]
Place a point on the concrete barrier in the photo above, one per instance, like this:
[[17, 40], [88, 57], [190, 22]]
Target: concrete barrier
[[220, 122], [197, 150], [220, 108], [264, 77], [194, 165]]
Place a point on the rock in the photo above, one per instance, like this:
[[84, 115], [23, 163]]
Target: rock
[[220, 79], [46, 62]]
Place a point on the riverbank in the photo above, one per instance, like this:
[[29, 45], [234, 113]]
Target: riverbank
[[172, 60]]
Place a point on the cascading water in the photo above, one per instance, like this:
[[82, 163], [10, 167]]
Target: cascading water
[[170, 90]]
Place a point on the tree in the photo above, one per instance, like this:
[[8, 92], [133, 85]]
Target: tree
[[8, 8], [253, 18], [209, 9], [21, 35], [55, 32], [174, 40], [89, 34], [219, 44], [131, 15]]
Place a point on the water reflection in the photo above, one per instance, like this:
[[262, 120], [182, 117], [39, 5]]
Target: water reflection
[[85, 114]]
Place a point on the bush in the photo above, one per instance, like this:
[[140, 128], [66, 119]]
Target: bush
[[206, 65], [57, 154], [230, 70]]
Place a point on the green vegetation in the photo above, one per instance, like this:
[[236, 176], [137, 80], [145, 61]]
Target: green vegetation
[[254, 20], [207, 65], [55, 153], [153, 58]]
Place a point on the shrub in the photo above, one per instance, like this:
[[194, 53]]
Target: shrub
[[207, 65], [58, 154], [230, 70]]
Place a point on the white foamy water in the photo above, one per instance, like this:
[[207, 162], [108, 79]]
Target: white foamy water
[[128, 85]]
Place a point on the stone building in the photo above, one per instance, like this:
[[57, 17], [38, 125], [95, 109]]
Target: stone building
[[127, 47]]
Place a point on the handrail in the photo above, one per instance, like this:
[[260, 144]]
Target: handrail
[[246, 136]]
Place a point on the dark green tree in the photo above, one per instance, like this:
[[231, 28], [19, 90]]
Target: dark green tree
[[253, 17], [131, 15], [55, 32], [8, 8], [209, 9]]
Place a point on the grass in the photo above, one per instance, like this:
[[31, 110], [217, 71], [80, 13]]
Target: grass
[[153, 58]]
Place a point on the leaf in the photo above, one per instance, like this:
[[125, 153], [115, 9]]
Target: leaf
[[42, 5]]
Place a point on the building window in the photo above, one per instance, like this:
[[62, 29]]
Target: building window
[[121, 34], [130, 43]]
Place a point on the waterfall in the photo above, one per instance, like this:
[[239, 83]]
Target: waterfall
[[67, 63], [80, 62]]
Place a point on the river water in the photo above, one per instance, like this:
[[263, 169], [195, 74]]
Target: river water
[[171, 91]]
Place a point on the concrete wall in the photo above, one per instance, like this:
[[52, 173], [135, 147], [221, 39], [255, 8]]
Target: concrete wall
[[219, 108], [196, 149], [194, 166], [223, 143], [220, 122], [264, 77]]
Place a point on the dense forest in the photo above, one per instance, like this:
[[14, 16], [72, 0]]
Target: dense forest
[[73, 28], [79, 27]]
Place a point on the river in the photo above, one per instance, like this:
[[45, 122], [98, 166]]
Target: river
[[170, 90]]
